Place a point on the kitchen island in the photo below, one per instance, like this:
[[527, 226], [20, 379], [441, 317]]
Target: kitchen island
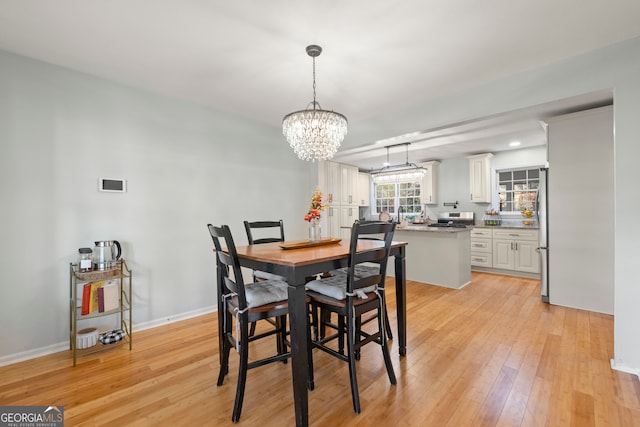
[[437, 255]]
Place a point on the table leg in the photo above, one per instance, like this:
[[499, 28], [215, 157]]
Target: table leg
[[401, 300], [299, 349]]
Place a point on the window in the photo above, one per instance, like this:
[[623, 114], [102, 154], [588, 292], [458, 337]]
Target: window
[[390, 197], [518, 188]]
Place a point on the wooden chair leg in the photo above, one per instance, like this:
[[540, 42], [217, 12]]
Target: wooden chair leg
[[357, 337], [224, 364], [226, 347], [387, 325], [341, 330], [325, 317], [351, 338], [385, 346], [310, 382], [281, 340], [242, 371], [314, 322], [252, 331]]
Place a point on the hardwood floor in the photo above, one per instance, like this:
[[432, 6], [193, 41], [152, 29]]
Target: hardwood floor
[[491, 354]]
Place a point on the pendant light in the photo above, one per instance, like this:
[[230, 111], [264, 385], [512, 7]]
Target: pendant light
[[405, 172], [314, 133]]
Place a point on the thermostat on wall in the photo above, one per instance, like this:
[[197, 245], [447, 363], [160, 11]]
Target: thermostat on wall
[[112, 185]]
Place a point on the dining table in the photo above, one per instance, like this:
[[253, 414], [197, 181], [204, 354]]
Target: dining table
[[297, 261]]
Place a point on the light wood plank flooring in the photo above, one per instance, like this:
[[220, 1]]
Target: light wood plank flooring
[[490, 354]]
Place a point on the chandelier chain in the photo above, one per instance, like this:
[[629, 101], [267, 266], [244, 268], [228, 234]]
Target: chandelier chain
[[314, 82]]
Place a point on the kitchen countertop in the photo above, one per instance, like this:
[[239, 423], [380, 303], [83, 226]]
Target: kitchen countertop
[[424, 228], [514, 224], [421, 227], [512, 227]]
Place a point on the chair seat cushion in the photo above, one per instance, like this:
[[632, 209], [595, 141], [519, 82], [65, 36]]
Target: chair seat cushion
[[334, 287], [267, 276], [267, 292], [362, 270]]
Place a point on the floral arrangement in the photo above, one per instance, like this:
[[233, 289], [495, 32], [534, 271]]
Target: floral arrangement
[[316, 206]]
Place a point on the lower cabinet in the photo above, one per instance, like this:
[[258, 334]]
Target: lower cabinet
[[516, 250], [348, 214], [339, 221], [481, 248], [505, 249], [332, 228]]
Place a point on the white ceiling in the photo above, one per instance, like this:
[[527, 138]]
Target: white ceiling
[[248, 58]]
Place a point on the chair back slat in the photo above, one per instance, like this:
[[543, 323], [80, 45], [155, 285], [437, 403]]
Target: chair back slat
[[278, 232], [372, 255], [228, 261]]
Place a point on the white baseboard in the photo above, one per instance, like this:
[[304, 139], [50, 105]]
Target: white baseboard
[[62, 346], [32, 354], [624, 368], [506, 272], [173, 319]]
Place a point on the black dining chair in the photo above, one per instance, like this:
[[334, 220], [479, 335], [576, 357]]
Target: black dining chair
[[276, 234], [264, 232], [243, 304], [259, 232], [350, 297], [367, 269]]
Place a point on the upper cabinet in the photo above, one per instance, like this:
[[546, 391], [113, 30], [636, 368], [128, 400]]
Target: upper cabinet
[[340, 183], [331, 182], [364, 189], [429, 183], [480, 177], [348, 185]]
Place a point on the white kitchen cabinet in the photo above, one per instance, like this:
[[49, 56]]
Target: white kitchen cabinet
[[348, 214], [503, 254], [348, 185], [342, 198], [332, 224], [480, 177], [364, 189], [516, 250], [331, 182], [481, 247], [340, 183], [527, 258], [429, 183]]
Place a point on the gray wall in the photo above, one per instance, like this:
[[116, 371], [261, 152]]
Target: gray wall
[[185, 166]]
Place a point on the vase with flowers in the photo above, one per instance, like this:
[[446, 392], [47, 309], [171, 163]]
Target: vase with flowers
[[313, 216]]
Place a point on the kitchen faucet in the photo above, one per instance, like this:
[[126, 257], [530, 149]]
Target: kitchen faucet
[[400, 210]]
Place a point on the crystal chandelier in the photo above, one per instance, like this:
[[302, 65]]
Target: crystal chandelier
[[314, 134], [406, 172]]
